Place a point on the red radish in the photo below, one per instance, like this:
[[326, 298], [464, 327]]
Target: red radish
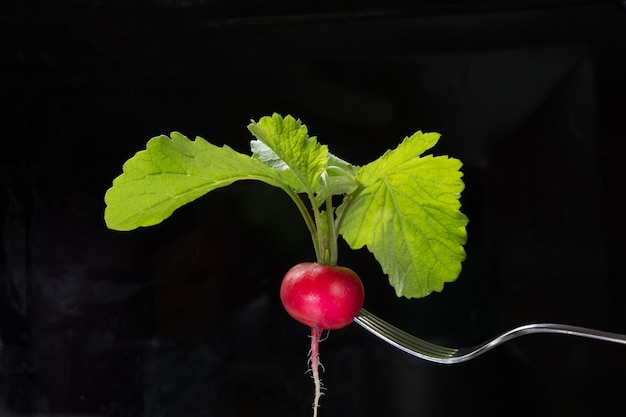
[[324, 297]]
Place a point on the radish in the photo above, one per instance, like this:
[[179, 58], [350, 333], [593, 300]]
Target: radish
[[323, 297], [326, 296], [404, 207]]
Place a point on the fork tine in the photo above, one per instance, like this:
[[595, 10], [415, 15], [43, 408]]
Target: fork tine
[[414, 342], [402, 340]]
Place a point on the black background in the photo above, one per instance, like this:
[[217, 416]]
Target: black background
[[183, 319]]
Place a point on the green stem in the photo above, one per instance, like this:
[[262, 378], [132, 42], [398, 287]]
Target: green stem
[[346, 207], [325, 244], [332, 232], [312, 225], [318, 236]]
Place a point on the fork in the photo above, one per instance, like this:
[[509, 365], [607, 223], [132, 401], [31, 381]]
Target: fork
[[446, 355]]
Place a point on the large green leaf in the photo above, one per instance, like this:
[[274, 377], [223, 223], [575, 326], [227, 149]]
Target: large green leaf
[[284, 144], [172, 172], [407, 213]]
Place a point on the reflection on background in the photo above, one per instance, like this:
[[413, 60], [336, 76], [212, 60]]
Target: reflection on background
[[183, 319]]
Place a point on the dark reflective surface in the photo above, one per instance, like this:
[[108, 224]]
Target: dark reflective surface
[[183, 319]]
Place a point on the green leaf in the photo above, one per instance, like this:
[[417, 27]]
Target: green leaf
[[404, 207], [172, 172], [339, 178], [284, 144], [326, 175], [407, 213]]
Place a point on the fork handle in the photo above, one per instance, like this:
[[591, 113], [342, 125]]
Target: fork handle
[[565, 329]]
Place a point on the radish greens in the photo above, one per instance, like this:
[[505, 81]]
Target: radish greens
[[404, 207]]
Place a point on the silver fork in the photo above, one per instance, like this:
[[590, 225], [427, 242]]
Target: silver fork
[[446, 355]]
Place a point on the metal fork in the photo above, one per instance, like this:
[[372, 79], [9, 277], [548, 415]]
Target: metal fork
[[446, 355]]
